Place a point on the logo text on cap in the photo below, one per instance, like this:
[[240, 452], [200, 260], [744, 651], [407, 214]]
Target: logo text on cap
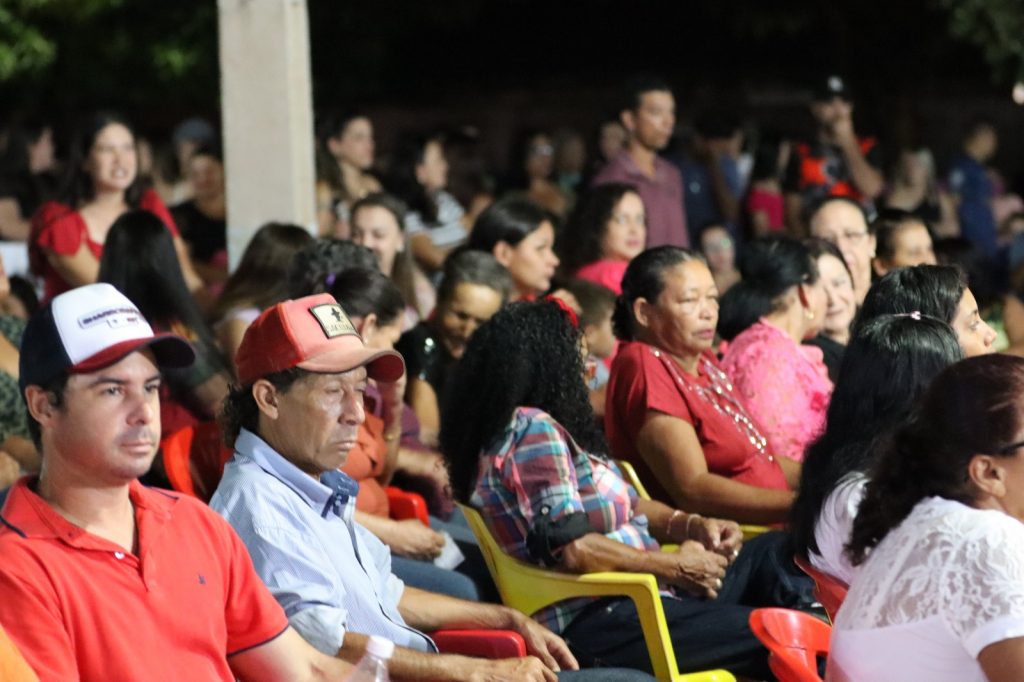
[[112, 317], [333, 320]]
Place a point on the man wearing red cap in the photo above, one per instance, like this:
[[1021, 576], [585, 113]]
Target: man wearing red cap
[[302, 370], [102, 578]]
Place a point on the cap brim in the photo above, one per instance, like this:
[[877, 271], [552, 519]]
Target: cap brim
[[171, 352], [381, 365]]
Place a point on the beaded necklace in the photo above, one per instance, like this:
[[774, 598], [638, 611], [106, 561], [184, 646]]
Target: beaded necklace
[[721, 397]]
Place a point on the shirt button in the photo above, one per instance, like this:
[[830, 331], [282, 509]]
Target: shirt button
[[119, 555]]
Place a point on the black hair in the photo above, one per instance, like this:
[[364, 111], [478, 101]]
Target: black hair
[[527, 355], [333, 125], [23, 290], [977, 124], [766, 159], [55, 387], [638, 86], [140, 260], [813, 209], [362, 291], [260, 280], [645, 278], [887, 365], [887, 224], [595, 301], [210, 149], [79, 186], [390, 203], [707, 227], [972, 407], [932, 290], [410, 153], [507, 220], [822, 247], [976, 266], [579, 243], [240, 411], [770, 266], [319, 262], [473, 267]]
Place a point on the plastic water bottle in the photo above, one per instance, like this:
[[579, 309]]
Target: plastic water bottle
[[373, 666]]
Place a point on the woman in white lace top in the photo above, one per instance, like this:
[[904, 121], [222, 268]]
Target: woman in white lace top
[[940, 595]]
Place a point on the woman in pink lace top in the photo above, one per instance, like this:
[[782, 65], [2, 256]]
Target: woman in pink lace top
[[779, 303]]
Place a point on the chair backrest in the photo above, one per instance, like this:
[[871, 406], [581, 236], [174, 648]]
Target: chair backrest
[[194, 459], [795, 640], [407, 505], [828, 590], [528, 589], [629, 471]]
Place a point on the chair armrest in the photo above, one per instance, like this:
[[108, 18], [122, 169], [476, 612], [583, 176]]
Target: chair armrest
[[405, 505], [751, 531], [481, 643]]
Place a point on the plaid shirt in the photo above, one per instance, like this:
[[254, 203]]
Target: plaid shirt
[[535, 467]]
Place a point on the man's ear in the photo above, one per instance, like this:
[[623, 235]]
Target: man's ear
[[41, 404], [265, 395], [628, 119], [988, 475]]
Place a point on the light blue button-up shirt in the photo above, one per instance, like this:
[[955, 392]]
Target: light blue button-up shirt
[[328, 573]]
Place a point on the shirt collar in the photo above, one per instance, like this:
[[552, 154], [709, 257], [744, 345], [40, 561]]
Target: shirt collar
[[29, 515], [628, 164], [334, 492]]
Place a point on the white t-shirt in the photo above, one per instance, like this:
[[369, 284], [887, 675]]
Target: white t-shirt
[[939, 588], [835, 523]]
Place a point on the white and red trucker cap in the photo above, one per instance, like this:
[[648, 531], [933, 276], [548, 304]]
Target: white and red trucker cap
[[90, 328]]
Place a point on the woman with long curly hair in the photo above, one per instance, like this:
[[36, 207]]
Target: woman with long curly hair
[[940, 596], [608, 230], [524, 449]]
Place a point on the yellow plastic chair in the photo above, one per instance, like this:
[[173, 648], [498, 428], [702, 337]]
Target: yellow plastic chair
[[528, 589], [749, 531]]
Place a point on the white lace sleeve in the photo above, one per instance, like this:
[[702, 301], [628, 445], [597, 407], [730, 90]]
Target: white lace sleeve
[[983, 588]]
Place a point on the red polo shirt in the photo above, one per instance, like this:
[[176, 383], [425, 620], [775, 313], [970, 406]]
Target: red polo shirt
[[640, 382], [79, 607]]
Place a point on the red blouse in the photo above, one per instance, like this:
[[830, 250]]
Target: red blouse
[[60, 228], [644, 378]]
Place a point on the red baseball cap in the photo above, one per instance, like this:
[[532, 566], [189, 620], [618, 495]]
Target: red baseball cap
[[313, 333]]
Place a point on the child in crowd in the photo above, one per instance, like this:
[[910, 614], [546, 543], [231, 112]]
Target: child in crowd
[[596, 304]]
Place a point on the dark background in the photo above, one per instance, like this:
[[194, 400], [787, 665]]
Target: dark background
[[504, 65]]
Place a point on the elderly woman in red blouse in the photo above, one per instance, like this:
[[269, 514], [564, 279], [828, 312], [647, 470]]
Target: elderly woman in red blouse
[[671, 409]]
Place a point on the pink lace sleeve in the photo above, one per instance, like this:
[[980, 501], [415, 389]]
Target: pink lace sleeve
[[781, 389]]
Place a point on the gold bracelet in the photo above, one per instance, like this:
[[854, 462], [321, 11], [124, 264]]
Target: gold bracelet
[[689, 518], [668, 526], [391, 437]]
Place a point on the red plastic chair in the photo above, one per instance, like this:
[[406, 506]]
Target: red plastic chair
[[480, 643], [795, 640], [828, 590], [194, 462], [406, 505], [194, 459]]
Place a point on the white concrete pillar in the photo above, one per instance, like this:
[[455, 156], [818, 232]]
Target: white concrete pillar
[[267, 109]]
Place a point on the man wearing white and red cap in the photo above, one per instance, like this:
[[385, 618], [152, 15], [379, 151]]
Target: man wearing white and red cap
[[302, 370], [102, 578]]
